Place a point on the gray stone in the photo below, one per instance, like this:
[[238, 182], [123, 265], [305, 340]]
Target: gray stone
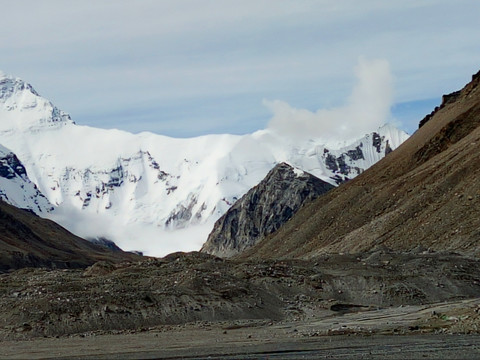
[[263, 210]]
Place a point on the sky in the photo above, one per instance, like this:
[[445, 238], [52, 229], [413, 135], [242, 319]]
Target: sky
[[185, 68]]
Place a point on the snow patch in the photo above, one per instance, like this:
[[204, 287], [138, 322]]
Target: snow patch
[[298, 172]]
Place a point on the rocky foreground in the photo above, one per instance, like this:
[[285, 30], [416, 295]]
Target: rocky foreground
[[198, 290]]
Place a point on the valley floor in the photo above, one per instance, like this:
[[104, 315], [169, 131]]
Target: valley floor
[[440, 331], [379, 304]]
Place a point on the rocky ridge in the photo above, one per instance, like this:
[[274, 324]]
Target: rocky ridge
[[263, 209]]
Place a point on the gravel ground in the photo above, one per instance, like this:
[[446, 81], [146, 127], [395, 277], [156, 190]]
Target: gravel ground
[[197, 305], [393, 333]]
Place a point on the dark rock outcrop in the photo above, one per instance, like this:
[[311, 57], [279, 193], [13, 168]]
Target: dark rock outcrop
[[263, 210], [10, 166], [109, 244], [449, 99]]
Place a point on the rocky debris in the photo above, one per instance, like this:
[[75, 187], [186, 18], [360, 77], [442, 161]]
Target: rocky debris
[[185, 288], [99, 268], [263, 210]]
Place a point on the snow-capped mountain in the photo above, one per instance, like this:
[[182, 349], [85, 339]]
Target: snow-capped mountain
[[150, 192], [15, 186]]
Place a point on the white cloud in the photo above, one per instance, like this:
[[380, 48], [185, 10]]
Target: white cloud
[[367, 108], [135, 237]]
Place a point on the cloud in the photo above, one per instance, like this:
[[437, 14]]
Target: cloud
[[101, 57], [134, 237], [367, 108]]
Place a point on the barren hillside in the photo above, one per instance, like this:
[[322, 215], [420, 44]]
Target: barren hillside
[[27, 240], [425, 193]]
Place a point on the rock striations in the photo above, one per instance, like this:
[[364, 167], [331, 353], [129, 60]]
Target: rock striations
[[263, 209]]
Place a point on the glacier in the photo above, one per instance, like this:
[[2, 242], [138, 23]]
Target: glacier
[[149, 192]]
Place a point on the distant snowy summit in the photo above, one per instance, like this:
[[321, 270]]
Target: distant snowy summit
[[150, 192], [27, 109]]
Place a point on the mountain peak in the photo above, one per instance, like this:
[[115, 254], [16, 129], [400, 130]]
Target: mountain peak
[[9, 86], [263, 209], [23, 108], [426, 193]]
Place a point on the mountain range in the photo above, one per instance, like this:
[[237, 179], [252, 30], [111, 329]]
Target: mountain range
[[145, 191]]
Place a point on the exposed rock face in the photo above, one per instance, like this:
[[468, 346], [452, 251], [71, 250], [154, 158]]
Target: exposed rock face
[[263, 210], [109, 244], [10, 166]]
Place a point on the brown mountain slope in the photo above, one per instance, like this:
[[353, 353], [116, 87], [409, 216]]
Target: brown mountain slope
[[27, 240], [426, 193]]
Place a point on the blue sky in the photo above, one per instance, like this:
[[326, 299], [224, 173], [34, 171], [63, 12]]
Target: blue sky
[[191, 67]]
